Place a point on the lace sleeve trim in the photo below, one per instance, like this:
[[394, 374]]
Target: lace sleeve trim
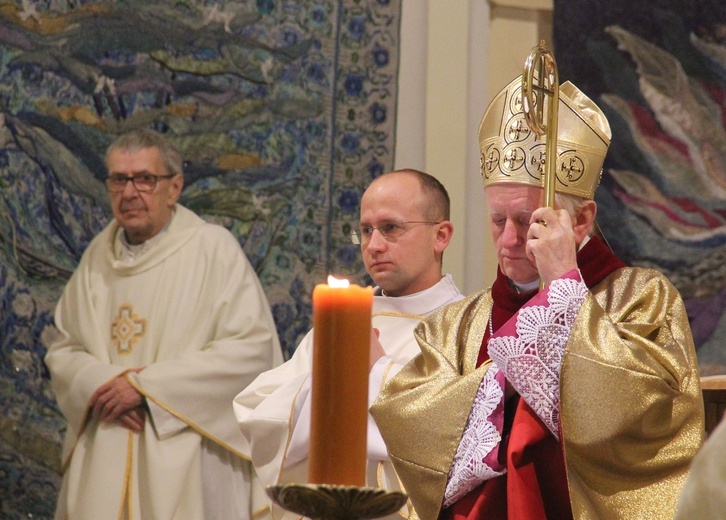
[[481, 438], [531, 360]]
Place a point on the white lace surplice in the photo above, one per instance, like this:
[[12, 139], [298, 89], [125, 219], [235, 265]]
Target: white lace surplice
[[528, 350], [473, 462]]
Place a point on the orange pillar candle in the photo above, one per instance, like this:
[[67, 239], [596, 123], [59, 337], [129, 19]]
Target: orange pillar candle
[[339, 413]]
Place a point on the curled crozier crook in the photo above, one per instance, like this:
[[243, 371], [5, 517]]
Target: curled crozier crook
[[540, 82]]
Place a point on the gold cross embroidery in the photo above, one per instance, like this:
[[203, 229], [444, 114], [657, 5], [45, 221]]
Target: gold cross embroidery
[[126, 329], [491, 161], [538, 160], [516, 130], [574, 170], [512, 159]]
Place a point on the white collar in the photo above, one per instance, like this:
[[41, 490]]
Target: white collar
[[420, 303], [128, 253]]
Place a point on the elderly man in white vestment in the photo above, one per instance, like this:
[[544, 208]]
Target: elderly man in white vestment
[[404, 230], [160, 325]]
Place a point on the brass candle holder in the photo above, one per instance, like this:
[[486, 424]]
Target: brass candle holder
[[332, 502]]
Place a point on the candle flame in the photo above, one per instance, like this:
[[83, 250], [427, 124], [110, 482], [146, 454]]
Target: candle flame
[[337, 282]]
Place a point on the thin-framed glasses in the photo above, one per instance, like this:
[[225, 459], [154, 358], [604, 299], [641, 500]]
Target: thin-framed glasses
[[142, 181], [390, 230]]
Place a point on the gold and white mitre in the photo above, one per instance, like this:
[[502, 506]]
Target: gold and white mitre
[[511, 152]]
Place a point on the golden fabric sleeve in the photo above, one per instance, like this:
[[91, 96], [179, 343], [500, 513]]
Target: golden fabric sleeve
[[631, 405], [422, 412]]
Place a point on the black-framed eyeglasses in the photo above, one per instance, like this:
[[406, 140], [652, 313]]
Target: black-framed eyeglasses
[[390, 230], [141, 181]]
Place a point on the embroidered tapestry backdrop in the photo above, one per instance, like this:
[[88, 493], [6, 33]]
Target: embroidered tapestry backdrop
[[658, 71], [284, 112]]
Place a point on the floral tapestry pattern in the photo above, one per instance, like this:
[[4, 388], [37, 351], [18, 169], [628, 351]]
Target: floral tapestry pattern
[[658, 71], [283, 111]]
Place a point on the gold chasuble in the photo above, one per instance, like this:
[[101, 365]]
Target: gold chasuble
[[631, 411], [632, 418], [423, 410]]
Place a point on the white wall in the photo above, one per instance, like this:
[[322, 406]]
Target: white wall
[[455, 56]]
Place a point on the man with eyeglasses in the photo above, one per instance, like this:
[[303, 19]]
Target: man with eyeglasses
[[403, 232], [160, 323]]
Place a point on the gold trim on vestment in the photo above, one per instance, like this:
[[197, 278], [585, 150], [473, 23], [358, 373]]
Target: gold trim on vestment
[[379, 479], [126, 502], [386, 372], [260, 511], [189, 423], [290, 425], [398, 315]]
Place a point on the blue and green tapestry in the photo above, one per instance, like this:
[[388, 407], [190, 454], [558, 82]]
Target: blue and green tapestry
[[284, 112], [658, 71]]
